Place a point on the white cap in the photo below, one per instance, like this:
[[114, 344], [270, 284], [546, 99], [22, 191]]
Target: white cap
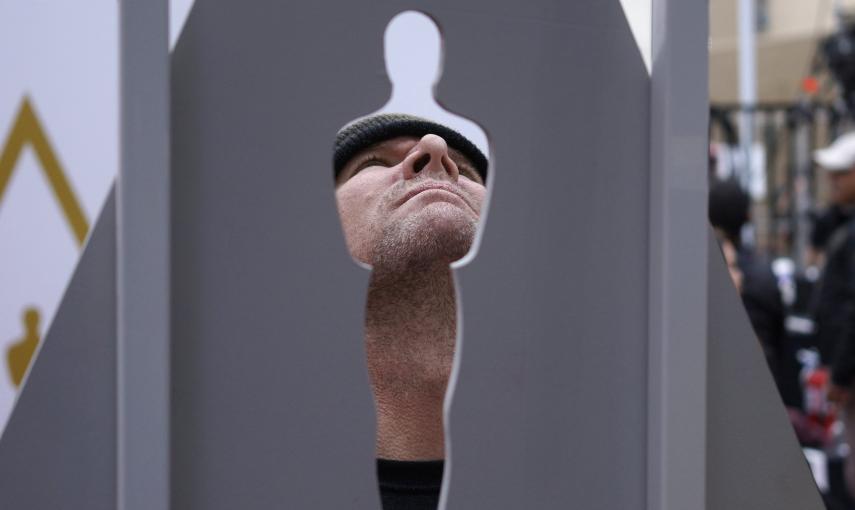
[[839, 156]]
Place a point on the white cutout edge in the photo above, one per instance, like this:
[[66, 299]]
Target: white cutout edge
[[639, 15]]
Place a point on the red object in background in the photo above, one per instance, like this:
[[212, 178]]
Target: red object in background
[[819, 412], [810, 85]]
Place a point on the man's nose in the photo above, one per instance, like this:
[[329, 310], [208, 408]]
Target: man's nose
[[430, 157]]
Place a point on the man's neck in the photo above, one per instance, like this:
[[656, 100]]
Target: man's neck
[[410, 333]]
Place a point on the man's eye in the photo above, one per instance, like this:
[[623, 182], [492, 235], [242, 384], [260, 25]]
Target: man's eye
[[372, 161], [469, 172]]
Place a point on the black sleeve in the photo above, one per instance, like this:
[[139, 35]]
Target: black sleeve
[[762, 301], [825, 224], [843, 367]]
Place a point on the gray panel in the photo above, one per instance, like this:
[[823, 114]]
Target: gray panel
[[753, 458], [59, 447], [271, 401], [270, 395], [549, 408], [678, 152], [143, 306]]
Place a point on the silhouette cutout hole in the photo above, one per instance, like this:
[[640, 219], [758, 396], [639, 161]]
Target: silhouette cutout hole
[[411, 189]]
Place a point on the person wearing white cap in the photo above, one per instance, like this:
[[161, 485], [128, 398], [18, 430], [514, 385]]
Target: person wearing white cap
[[835, 312], [838, 159]]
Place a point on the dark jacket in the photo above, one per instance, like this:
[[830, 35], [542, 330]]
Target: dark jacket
[[835, 305], [762, 300]]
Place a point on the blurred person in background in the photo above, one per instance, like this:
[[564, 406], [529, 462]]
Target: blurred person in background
[[825, 224], [731, 259], [835, 303], [729, 207]]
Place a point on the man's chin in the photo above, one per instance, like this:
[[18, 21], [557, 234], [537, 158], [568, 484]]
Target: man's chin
[[439, 233]]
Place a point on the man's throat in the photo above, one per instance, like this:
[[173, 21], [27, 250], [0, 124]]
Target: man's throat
[[410, 337]]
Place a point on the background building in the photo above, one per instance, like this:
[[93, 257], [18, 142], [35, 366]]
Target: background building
[[798, 109]]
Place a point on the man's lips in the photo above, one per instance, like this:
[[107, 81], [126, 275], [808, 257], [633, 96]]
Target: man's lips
[[433, 186]]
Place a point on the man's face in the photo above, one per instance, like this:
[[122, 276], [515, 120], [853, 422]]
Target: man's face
[[409, 201], [843, 187]]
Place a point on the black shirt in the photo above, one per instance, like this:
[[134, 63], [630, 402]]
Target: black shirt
[[409, 485]]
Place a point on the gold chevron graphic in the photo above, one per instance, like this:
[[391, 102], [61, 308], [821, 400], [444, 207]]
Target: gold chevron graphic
[[27, 129]]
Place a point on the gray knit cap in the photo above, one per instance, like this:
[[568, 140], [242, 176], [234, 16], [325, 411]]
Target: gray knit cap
[[384, 126]]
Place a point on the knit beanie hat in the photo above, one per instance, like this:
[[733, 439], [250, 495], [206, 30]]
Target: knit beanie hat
[[377, 128]]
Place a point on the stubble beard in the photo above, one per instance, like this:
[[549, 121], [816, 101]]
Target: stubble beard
[[411, 310], [437, 235]]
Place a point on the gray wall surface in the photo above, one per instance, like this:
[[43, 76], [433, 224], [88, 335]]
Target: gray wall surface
[[549, 407], [59, 447], [677, 307], [271, 405], [143, 253], [753, 458]]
